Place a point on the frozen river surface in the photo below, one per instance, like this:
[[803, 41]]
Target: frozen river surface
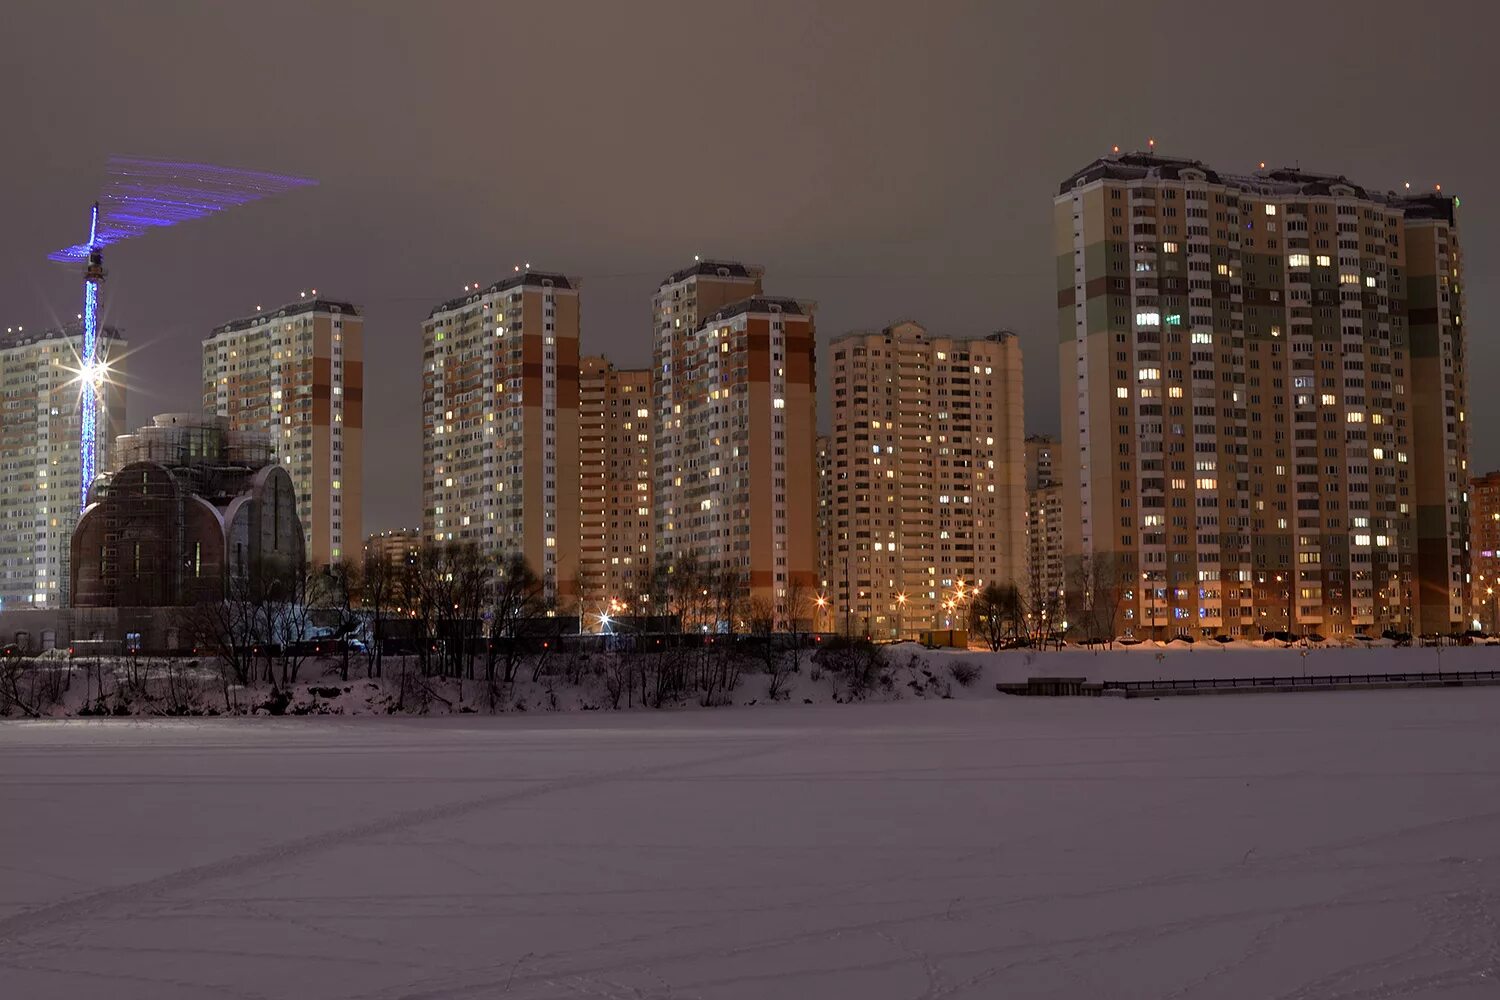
[[1293, 846]]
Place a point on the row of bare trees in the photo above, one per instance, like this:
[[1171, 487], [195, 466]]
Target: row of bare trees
[[1002, 614]]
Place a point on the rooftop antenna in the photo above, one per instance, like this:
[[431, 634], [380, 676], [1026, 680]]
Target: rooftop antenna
[[138, 196]]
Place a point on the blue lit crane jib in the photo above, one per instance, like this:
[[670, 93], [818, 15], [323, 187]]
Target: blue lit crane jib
[[141, 195]]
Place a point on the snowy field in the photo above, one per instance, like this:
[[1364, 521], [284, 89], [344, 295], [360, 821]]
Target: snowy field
[[1308, 846]]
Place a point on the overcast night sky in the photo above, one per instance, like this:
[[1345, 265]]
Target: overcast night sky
[[889, 160]]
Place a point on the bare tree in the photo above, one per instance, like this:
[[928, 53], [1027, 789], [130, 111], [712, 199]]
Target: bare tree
[[378, 590], [288, 615], [1096, 589], [996, 614], [333, 595], [516, 598], [227, 630]]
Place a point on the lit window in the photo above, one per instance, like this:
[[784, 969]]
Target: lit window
[[1298, 260], [1270, 209]]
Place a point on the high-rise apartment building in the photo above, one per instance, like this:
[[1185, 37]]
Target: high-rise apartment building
[[927, 479], [394, 549], [1242, 360], [1440, 429], [500, 425], [1042, 590], [39, 448], [1040, 452], [615, 504], [736, 483], [677, 312], [1484, 536], [823, 446], [296, 374]]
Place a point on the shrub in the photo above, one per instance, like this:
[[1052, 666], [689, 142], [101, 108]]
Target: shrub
[[965, 673]]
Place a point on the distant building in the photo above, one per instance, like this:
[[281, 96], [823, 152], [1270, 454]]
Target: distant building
[[1484, 536], [500, 425], [736, 489], [396, 548], [296, 374], [191, 513], [1265, 398], [615, 500], [39, 446], [928, 490], [1043, 588]]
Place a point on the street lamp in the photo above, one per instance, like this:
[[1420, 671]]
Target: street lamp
[[900, 612]]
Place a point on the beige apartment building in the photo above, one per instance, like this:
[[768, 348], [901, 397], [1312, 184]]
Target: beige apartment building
[[296, 374], [1263, 398], [615, 500], [39, 455], [1043, 587], [928, 492], [500, 425], [678, 309], [736, 483], [394, 549], [1484, 537]]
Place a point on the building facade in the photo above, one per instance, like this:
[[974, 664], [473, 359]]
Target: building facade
[[1043, 590], [736, 479], [1243, 400], [615, 503], [928, 496], [678, 309], [500, 430], [39, 455], [191, 513], [296, 374], [1484, 537], [394, 549]]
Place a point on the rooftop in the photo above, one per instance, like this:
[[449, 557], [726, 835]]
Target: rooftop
[[20, 338], [761, 304], [1276, 181], [527, 279], [716, 269], [312, 305]]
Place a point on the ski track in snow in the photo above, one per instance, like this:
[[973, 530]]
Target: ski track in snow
[[1342, 846]]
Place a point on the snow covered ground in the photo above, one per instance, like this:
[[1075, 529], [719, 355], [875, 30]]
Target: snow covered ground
[[913, 673], [1152, 661], [1310, 846]]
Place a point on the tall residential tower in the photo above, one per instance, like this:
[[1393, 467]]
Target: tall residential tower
[[1263, 402], [736, 480], [296, 374], [928, 498], [615, 506], [500, 425], [39, 460]]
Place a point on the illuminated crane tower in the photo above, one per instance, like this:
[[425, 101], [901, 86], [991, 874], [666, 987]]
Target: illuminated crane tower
[[141, 195], [90, 370]]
